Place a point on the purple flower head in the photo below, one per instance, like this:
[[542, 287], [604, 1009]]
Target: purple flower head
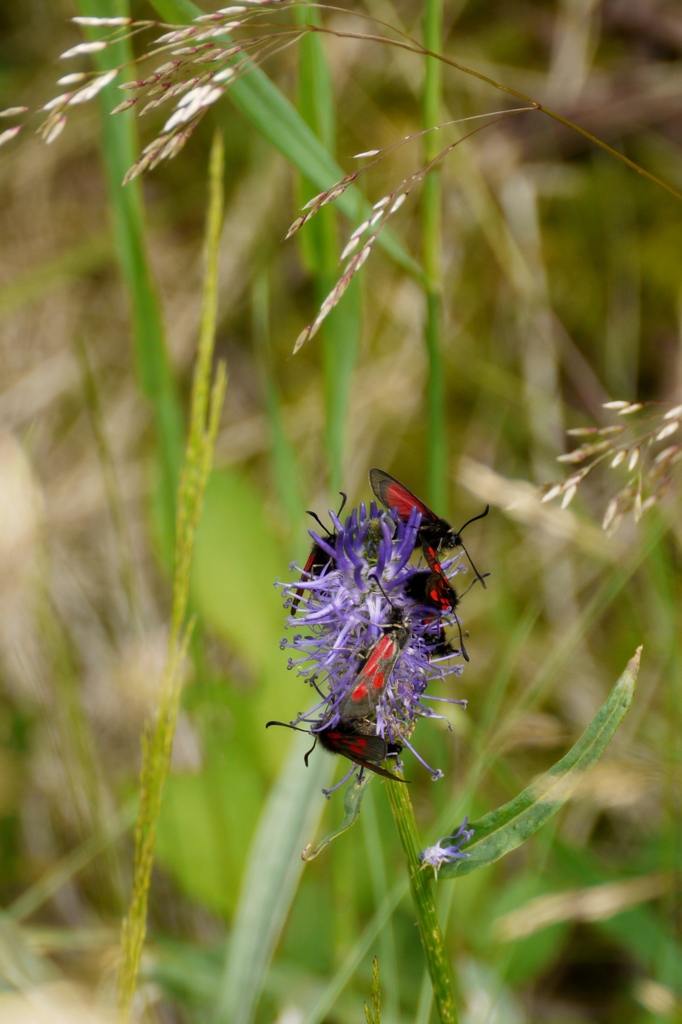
[[437, 855], [356, 620]]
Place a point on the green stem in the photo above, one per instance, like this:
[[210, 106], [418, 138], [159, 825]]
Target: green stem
[[154, 370], [285, 469], [424, 904], [319, 242], [432, 259]]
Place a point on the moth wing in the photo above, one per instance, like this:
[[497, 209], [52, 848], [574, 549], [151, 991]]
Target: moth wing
[[393, 494], [433, 589], [317, 559], [378, 770], [363, 750], [370, 682], [377, 749], [441, 592]]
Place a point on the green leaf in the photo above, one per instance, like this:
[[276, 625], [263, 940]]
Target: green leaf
[[352, 801], [280, 123], [206, 822], [506, 828], [236, 560]]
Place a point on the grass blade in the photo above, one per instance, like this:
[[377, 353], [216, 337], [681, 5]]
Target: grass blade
[[285, 469], [289, 818], [345, 972], [154, 371], [318, 238], [507, 827], [437, 465], [387, 946]]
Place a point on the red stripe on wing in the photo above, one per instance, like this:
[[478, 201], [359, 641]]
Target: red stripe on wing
[[354, 745], [372, 678], [363, 750], [384, 652], [441, 593], [313, 559], [393, 494], [317, 559]]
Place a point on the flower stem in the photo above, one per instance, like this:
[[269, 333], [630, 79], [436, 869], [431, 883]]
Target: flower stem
[[431, 254], [424, 903]]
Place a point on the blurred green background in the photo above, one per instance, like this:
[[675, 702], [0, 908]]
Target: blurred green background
[[561, 289]]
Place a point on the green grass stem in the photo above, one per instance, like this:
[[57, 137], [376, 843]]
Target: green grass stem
[[319, 241], [373, 1013], [206, 406], [154, 372], [424, 904], [425, 1004], [285, 469], [437, 463]]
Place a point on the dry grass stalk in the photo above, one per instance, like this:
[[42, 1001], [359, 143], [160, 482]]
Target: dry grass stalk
[[634, 445]]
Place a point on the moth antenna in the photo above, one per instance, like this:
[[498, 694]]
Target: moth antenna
[[318, 520], [478, 575], [344, 499], [310, 752], [313, 682], [287, 725], [458, 541], [378, 583], [481, 515], [461, 640], [473, 583]]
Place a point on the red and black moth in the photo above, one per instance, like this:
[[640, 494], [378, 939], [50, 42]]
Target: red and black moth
[[318, 557], [349, 739], [426, 588], [370, 683], [434, 590], [435, 534]]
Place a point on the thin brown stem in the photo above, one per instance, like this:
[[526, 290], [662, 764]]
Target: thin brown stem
[[414, 47]]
